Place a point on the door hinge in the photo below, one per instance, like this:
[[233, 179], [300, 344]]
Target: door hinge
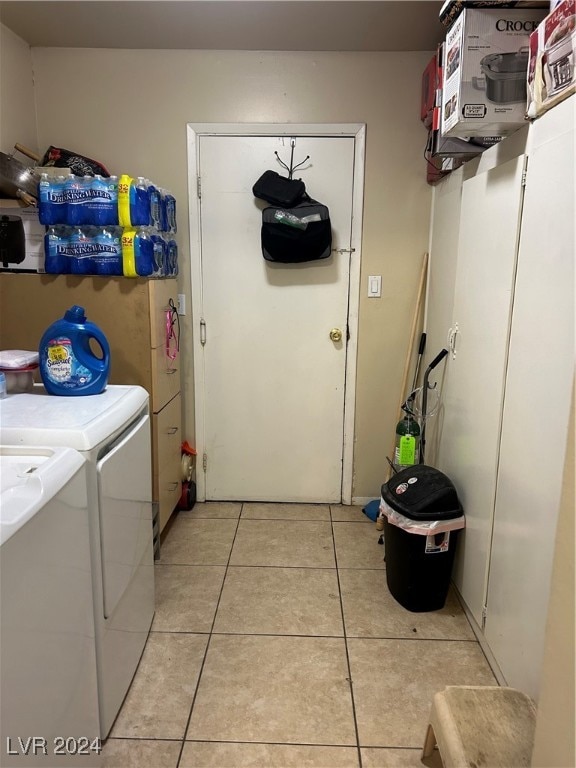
[[343, 250], [484, 615], [199, 187], [523, 181], [347, 332], [204, 461], [202, 332]]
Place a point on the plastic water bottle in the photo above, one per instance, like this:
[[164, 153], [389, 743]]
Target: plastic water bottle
[[137, 253], [68, 365], [108, 251], [159, 248], [140, 203], [407, 445], [144, 253], [124, 185], [172, 257], [81, 249], [77, 193], [163, 211], [56, 261], [170, 204], [102, 203], [44, 207], [155, 207], [52, 202]]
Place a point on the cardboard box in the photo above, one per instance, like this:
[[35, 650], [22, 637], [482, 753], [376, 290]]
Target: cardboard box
[[552, 68], [451, 9], [486, 60], [431, 84], [10, 254]]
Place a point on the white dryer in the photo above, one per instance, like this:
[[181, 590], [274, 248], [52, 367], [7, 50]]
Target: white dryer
[[112, 432], [48, 688]]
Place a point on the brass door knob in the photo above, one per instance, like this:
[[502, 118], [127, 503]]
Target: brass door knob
[[336, 334]]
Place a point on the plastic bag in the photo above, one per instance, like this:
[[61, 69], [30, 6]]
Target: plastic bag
[[78, 164], [423, 527]]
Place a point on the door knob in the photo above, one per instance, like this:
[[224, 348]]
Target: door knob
[[336, 334]]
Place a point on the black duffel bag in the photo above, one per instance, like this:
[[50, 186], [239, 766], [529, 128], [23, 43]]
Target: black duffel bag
[[297, 234], [278, 190]]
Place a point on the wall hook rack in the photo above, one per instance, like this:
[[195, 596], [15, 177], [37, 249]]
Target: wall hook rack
[[292, 167]]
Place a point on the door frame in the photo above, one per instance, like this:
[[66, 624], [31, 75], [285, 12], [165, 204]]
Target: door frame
[[357, 131]]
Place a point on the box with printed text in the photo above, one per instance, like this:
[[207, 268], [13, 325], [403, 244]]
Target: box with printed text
[[21, 238], [484, 75], [552, 68]]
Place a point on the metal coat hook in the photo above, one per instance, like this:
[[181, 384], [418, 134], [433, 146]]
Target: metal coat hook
[[292, 167]]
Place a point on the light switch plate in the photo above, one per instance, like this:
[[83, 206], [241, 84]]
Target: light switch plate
[[374, 286]]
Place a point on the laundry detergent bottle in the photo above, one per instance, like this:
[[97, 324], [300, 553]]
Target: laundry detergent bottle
[[68, 364]]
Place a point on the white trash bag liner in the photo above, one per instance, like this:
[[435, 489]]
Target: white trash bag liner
[[423, 527]]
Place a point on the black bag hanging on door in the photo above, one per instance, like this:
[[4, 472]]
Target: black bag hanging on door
[[278, 190], [297, 234]]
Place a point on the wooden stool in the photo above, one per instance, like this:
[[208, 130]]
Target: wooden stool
[[481, 727]]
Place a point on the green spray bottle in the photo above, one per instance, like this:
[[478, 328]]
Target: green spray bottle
[[407, 446]]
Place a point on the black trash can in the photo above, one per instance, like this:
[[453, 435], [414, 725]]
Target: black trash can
[[423, 517]]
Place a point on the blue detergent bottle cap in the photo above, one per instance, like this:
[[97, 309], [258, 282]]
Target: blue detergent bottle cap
[[75, 314]]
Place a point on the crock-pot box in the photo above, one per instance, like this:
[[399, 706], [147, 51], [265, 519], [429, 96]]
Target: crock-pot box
[[451, 9], [18, 366], [485, 65], [552, 68]]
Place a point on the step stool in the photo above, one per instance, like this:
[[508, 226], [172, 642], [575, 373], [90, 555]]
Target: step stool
[[481, 727]]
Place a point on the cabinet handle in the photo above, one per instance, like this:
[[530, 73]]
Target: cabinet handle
[[452, 334], [172, 487], [172, 431], [170, 371]]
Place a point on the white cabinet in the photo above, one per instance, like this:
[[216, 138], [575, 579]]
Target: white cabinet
[[536, 407], [468, 452], [506, 394]]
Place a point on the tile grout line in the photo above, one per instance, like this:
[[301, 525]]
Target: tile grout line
[[350, 681], [329, 637], [183, 744], [280, 519]]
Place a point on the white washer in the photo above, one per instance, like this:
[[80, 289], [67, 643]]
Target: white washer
[[48, 685], [112, 432]]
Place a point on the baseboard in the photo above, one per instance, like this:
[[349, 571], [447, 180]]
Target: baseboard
[[486, 650], [361, 501]]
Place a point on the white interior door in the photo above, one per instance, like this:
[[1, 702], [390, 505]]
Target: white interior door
[[474, 389], [273, 380]]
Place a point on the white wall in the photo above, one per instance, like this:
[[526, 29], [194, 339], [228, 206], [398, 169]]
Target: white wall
[[17, 107], [129, 109], [554, 745]]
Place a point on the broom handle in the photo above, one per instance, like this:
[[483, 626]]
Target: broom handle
[[419, 296]]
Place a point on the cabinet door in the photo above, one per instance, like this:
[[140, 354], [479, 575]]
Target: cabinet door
[[161, 292], [536, 407], [166, 452], [447, 198], [474, 387]]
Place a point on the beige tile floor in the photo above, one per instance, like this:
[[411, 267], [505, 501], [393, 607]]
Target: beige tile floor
[[276, 644]]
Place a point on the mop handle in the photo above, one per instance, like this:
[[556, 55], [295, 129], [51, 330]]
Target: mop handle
[[438, 359]]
